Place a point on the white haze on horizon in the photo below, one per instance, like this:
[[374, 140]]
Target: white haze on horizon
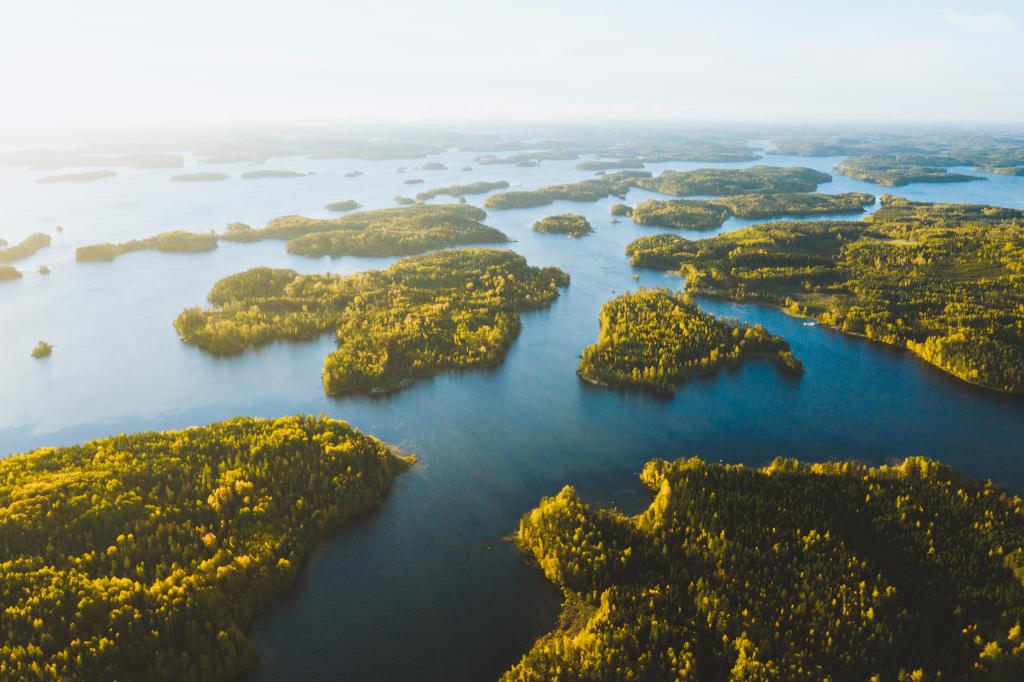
[[115, 65]]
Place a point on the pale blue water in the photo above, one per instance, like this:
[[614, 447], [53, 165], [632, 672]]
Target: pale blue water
[[424, 587]]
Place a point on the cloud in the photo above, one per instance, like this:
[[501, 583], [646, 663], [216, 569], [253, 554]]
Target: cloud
[[987, 23]]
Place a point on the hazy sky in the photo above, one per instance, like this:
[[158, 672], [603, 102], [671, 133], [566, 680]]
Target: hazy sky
[[78, 64]]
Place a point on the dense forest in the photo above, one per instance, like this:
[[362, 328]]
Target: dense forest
[[462, 190], [26, 248], [610, 164], [342, 206], [796, 571], [725, 181], [200, 177], [260, 174], [690, 214], [423, 315], [572, 224], [87, 176], [655, 339], [145, 556], [895, 170], [942, 280], [613, 184], [177, 241]]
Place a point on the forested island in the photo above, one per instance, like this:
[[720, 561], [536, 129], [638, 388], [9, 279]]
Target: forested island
[[200, 177], [26, 248], [177, 241], [691, 214], [87, 176], [9, 272], [380, 232], [895, 170], [462, 190], [614, 184], [404, 201], [342, 206], [42, 350], [443, 311], [146, 556], [610, 164], [942, 280], [413, 181], [260, 174], [572, 224], [796, 571], [655, 339], [725, 181]]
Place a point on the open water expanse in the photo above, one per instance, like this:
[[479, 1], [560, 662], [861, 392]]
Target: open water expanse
[[424, 587]]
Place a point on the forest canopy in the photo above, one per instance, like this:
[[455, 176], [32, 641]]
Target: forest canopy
[[146, 556], [726, 181], [446, 310], [572, 224], [895, 170], [177, 241], [796, 571], [462, 190], [656, 339], [942, 280], [26, 248]]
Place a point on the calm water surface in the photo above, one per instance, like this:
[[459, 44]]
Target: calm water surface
[[424, 587]]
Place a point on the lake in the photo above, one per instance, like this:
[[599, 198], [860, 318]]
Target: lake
[[425, 587]]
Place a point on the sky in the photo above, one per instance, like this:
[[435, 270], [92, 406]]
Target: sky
[[113, 64]]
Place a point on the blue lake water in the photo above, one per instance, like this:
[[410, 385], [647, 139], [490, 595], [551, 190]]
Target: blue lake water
[[424, 587]]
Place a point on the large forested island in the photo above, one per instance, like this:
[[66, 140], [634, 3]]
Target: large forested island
[[177, 241], [87, 176], [423, 315], [791, 572], [704, 181], [691, 214], [461, 190], [655, 339], [572, 224], [942, 280], [613, 184], [27, 247], [724, 181], [894, 170], [387, 232], [145, 556]]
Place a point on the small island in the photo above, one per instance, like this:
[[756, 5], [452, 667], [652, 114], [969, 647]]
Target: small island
[[655, 339], [260, 174], [447, 310], [341, 206], [404, 201], [9, 272], [462, 190], [44, 270], [413, 181], [572, 224], [353, 174], [433, 165], [42, 350], [940, 280], [200, 177], [156, 550], [26, 248], [680, 213], [88, 176], [177, 241], [793, 571]]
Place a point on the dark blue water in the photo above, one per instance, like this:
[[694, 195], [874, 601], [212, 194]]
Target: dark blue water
[[424, 587]]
